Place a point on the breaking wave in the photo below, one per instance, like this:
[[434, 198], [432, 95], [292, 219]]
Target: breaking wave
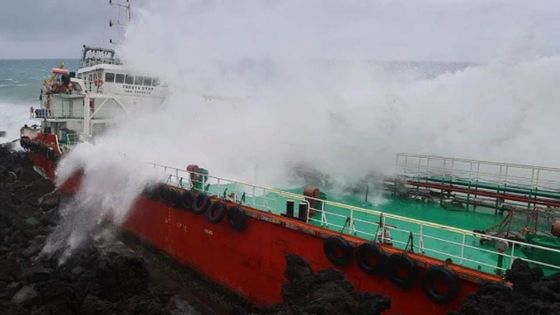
[[12, 117]]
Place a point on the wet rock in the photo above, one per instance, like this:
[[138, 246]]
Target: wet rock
[[11, 289], [7, 307], [32, 250], [522, 276], [37, 273], [92, 305], [9, 268], [26, 296], [77, 270], [119, 275], [178, 306], [531, 293], [32, 221], [49, 201], [11, 176], [326, 292], [4, 250]]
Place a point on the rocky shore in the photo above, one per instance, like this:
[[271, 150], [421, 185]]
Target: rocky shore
[[95, 280], [90, 282]]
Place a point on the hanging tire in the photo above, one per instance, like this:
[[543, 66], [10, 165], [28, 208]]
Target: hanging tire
[[338, 251], [450, 282], [173, 197], [200, 204], [187, 198], [216, 212], [371, 258], [237, 218], [402, 270]]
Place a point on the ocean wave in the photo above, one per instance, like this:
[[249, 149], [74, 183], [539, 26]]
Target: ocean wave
[[13, 85], [12, 117]]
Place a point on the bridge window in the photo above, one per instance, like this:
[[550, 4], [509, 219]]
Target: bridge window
[[119, 78], [129, 79], [109, 77], [147, 81], [138, 80]]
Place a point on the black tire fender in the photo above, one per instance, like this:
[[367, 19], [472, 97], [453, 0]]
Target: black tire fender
[[338, 250], [237, 218], [200, 204], [364, 254], [440, 273], [187, 199], [216, 212], [397, 263]]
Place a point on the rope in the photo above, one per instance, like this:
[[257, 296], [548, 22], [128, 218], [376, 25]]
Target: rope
[[410, 242]]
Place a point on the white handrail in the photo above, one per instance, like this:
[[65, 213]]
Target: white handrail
[[418, 164]]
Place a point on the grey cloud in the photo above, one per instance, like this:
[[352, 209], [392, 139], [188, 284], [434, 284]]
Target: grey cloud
[[25, 20], [445, 30]]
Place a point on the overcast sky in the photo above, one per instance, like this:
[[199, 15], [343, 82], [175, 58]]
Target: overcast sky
[[439, 30]]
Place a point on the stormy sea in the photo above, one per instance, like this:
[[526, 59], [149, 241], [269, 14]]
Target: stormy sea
[[20, 87]]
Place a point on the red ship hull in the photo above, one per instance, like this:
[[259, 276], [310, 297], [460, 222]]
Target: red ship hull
[[251, 263]]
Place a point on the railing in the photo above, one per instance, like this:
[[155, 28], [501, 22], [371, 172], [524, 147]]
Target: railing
[[71, 139], [539, 177], [463, 247], [40, 113], [45, 113], [96, 61]]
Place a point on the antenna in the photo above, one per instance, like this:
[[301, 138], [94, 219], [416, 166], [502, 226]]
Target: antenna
[[122, 6]]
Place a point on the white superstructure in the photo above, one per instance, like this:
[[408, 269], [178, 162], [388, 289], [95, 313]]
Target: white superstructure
[[78, 106]]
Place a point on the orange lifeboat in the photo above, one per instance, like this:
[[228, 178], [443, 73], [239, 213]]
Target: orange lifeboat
[[60, 71]]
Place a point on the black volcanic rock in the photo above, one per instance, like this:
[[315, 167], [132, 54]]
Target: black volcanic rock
[[531, 293], [89, 282], [324, 292]]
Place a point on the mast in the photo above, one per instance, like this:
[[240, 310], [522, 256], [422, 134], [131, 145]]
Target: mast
[[123, 18]]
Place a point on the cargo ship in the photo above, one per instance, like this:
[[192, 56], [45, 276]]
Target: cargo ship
[[446, 225]]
